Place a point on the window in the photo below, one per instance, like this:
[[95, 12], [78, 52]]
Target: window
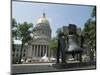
[[13, 55], [16, 55], [24, 55], [17, 50], [14, 50], [24, 50]]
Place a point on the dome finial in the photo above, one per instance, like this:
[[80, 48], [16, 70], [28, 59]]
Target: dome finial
[[43, 14]]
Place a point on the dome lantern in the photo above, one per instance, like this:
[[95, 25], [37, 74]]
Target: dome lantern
[[43, 15], [43, 20]]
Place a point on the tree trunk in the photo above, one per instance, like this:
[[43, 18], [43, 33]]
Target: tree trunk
[[21, 53]]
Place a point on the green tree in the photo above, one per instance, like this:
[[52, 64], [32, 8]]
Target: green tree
[[13, 34], [93, 14], [90, 30], [90, 33], [14, 29], [23, 33], [13, 22], [53, 45]]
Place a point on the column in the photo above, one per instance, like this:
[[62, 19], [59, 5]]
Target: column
[[43, 49], [33, 50], [48, 52], [37, 50], [30, 55], [40, 50]]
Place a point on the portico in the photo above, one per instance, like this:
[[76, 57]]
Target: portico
[[40, 50]]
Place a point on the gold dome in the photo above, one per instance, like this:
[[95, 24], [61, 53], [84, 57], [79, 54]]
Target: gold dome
[[43, 20]]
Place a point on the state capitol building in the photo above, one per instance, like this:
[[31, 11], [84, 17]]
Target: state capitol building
[[38, 47], [42, 35]]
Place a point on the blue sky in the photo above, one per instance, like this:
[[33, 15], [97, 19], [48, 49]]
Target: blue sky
[[58, 15]]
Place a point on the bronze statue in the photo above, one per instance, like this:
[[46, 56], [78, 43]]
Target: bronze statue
[[61, 47]]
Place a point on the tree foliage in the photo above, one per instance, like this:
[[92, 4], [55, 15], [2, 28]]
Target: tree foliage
[[14, 28], [93, 14], [23, 33], [53, 45], [90, 30]]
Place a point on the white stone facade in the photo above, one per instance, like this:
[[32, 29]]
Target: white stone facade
[[39, 46], [16, 52]]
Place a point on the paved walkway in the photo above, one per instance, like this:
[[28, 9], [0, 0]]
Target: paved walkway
[[32, 64], [48, 67]]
